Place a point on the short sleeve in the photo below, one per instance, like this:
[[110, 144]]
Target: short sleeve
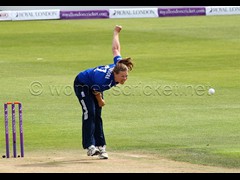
[[116, 59]]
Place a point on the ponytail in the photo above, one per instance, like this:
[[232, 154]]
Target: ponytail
[[128, 62], [123, 65]]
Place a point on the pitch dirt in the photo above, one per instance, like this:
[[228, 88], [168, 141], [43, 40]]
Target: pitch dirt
[[79, 162]]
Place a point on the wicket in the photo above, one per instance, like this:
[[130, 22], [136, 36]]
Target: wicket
[[14, 134]]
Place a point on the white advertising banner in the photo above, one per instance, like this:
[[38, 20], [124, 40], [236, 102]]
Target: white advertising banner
[[36, 14], [134, 13], [222, 10], [5, 16]]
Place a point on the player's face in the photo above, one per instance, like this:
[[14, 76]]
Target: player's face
[[121, 77]]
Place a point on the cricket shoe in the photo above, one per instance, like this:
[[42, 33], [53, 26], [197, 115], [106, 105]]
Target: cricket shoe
[[93, 151], [103, 154]]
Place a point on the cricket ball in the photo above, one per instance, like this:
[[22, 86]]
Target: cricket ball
[[211, 91]]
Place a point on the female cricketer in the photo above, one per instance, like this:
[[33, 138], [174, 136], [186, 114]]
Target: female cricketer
[[89, 86]]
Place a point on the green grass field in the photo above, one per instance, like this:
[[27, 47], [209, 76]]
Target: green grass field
[[162, 109]]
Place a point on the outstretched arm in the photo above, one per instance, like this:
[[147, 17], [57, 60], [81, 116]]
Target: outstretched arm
[[115, 42]]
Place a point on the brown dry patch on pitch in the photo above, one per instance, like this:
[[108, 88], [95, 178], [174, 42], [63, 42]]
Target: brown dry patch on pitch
[[79, 162]]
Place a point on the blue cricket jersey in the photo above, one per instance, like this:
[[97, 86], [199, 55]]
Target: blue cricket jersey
[[100, 78]]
